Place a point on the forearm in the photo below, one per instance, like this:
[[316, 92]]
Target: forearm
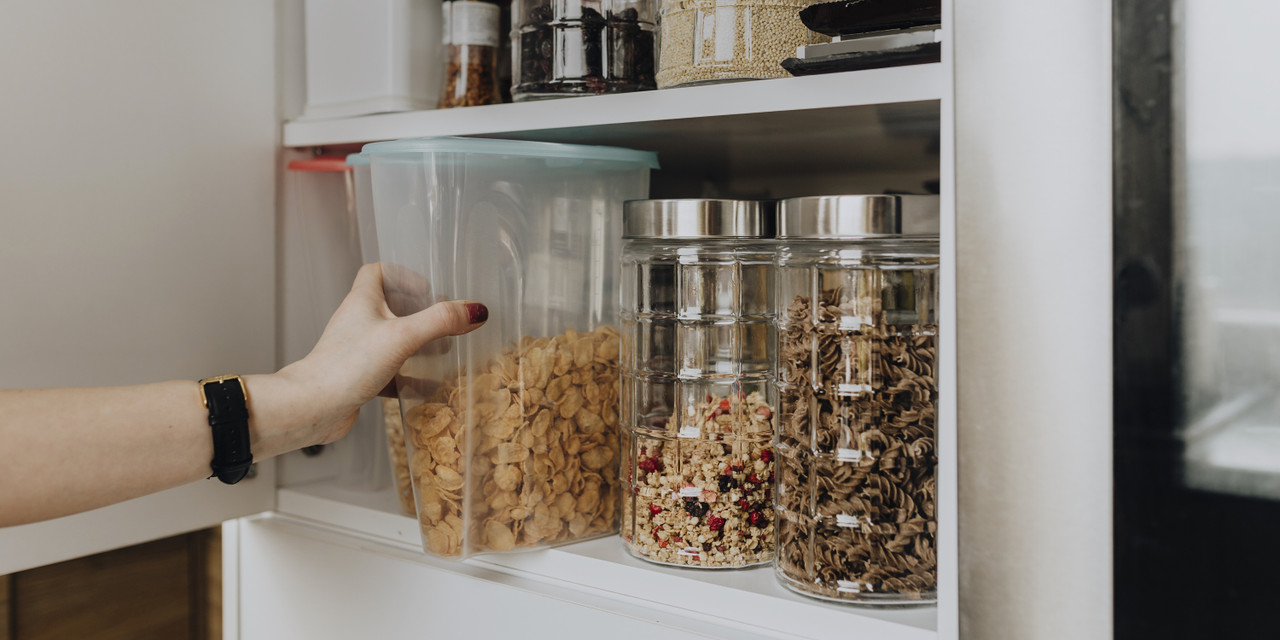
[[69, 450]]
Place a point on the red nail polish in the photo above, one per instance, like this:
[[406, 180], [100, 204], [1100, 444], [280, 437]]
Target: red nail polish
[[477, 313]]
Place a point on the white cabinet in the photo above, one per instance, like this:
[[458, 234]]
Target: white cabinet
[[137, 224], [139, 203], [872, 130]]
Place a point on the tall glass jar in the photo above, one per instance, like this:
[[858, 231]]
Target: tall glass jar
[[704, 41], [470, 42], [697, 382], [857, 397], [581, 47]]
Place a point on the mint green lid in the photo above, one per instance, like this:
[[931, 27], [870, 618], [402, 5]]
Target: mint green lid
[[358, 160], [488, 146]]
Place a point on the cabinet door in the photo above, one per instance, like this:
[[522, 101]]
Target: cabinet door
[[137, 224]]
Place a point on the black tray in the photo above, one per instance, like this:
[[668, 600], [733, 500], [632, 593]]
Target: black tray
[[851, 17]]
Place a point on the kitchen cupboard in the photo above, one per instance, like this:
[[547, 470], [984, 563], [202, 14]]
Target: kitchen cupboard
[[1012, 127]]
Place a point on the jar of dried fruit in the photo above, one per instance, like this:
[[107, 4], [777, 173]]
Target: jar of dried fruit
[[857, 397], [581, 47], [703, 41], [471, 53], [697, 387]]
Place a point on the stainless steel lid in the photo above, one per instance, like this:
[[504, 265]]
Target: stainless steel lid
[[697, 218], [855, 216]]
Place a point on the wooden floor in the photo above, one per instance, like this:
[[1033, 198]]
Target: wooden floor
[[166, 589]]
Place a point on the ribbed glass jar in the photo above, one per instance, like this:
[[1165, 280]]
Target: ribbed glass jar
[[709, 41], [697, 382], [857, 287], [564, 48]]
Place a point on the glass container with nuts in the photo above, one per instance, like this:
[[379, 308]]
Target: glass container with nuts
[[697, 389], [857, 398], [511, 431]]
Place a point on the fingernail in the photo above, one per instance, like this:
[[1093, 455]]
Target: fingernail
[[476, 312]]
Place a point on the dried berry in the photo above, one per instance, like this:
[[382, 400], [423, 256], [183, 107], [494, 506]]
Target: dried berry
[[766, 455], [654, 509], [696, 509], [715, 523], [756, 518]]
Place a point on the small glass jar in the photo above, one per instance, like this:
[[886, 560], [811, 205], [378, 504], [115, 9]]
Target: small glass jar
[[581, 47], [470, 42], [697, 389], [857, 397], [704, 41]]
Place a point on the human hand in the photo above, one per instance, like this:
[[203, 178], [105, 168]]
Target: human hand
[[356, 358]]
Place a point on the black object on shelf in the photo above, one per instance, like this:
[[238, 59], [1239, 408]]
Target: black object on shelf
[[850, 17], [853, 61], [869, 34]]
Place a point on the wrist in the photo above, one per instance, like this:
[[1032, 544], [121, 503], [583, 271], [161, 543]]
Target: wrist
[[280, 420]]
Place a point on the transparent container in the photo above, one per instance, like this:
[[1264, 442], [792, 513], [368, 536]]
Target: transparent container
[[321, 242], [511, 430], [857, 305], [581, 47], [698, 394], [705, 41], [386, 411], [471, 37]]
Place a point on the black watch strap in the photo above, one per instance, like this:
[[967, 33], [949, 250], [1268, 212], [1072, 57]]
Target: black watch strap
[[224, 396]]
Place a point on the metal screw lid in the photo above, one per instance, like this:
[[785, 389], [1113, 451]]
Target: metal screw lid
[[858, 216], [697, 218]]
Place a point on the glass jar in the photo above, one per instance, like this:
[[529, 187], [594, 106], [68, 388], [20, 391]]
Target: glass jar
[[857, 397], [471, 53], [581, 47], [697, 388], [705, 41]]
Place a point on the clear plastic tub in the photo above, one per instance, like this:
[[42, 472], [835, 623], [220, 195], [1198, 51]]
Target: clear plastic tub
[[321, 255], [385, 410], [511, 430]]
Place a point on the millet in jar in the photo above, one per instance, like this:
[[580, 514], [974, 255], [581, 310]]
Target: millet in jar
[[704, 41]]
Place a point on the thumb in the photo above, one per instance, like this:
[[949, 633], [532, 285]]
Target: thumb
[[442, 319]]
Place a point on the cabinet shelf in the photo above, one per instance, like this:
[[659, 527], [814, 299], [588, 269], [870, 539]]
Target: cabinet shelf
[[897, 85], [866, 130], [749, 598]]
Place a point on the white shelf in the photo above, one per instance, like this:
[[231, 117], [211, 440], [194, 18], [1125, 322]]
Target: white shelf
[[858, 131], [601, 568], [897, 85]]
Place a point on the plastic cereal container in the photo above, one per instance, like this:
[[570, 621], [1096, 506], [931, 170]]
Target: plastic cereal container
[[511, 431]]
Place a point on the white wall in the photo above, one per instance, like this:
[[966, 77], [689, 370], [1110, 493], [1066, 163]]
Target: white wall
[[1033, 268], [137, 217]]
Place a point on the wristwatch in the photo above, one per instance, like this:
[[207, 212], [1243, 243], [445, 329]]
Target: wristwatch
[[225, 398]]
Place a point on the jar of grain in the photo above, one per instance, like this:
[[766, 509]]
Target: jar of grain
[[703, 41], [697, 382], [857, 397]]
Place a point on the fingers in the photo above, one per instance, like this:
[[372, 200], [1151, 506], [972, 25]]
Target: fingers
[[443, 319]]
